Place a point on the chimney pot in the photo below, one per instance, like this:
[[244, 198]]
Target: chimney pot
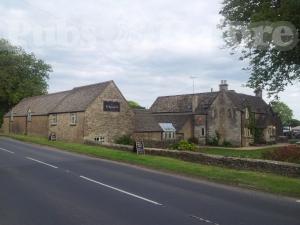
[[223, 86]]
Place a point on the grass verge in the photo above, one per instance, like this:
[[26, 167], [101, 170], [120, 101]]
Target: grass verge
[[253, 180], [252, 154]]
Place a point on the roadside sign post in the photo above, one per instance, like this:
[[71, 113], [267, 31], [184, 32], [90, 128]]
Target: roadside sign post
[[139, 147]]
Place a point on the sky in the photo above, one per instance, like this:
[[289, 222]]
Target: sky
[[149, 48]]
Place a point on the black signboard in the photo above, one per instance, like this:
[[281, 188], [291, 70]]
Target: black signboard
[[110, 106], [139, 147]]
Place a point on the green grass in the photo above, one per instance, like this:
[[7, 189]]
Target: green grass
[[254, 180], [253, 154]]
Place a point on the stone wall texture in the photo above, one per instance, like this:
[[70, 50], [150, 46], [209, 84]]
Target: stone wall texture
[[38, 126], [280, 168], [187, 130], [64, 130], [110, 125], [224, 119], [5, 125]]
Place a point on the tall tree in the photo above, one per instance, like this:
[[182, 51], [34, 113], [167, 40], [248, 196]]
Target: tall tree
[[284, 112], [272, 67], [21, 75], [135, 105]]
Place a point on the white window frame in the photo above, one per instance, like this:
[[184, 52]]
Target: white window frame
[[100, 139], [247, 114], [29, 116], [73, 118], [169, 135]]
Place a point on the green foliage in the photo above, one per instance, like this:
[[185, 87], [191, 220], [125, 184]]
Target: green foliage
[[284, 112], [227, 143], [125, 140], [214, 140], [270, 68], [294, 123], [193, 140], [289, 153], [21, 75], [135, 105], [184, 145]]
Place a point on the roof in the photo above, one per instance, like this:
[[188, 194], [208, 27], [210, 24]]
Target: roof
[[39, 105], [241, 101], [146, 121], [183, 103], [80, 98], [75, 100], [167, 127], [178, 121]]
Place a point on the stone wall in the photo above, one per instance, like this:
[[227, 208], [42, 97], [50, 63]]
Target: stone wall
[[187, 130], [18, 125], [64, 130], [225, 119], [154, 136], [38, 126], [280, 168], [5, 125], [109, 125]]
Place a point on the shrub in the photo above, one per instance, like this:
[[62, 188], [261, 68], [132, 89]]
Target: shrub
[[290, 153], [227, 143], [184, 145], [214, 140], [193, 140], [124, 140]]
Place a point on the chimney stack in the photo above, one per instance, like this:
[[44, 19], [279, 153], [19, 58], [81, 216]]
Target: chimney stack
[[258, 92], [223, 86]]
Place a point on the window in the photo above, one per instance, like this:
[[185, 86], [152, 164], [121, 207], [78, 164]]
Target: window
[[203, 131], [169, 135], [29, 115], [247, 132], [100, 139], [247, 113], [73, 118], [53, 120]]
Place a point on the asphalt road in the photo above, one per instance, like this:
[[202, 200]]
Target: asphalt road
[[43, 186]]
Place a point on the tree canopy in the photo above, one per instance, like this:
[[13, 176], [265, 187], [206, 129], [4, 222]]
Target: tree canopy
[[21, 75], [284, 112], [295, 123], [135, 105], [271, 67]]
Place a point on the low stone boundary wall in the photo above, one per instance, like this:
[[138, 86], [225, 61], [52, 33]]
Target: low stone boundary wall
[[280, 168]]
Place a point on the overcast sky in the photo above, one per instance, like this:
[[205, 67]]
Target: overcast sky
[[149, 48]]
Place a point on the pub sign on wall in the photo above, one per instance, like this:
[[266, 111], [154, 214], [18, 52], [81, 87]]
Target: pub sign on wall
[[110, 106]]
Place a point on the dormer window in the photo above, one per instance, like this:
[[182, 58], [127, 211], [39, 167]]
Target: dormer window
[[29, 116]]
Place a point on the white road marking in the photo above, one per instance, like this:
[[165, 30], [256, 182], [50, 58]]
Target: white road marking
[[38, 161], [2, 149], [298, 201], [120, 190], [203, 220]]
